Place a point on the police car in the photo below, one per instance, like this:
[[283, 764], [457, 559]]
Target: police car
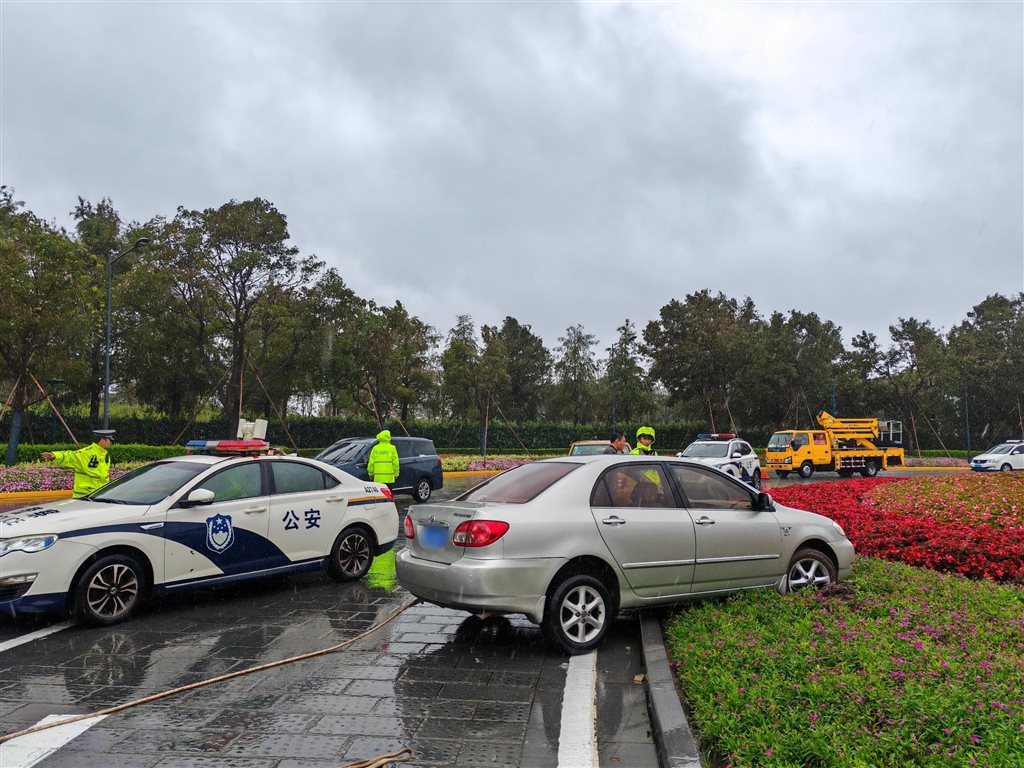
[[1004, 457], [188, 522], [727, 452]]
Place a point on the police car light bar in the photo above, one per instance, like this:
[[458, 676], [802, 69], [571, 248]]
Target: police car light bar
[[226, 447], [716, 435]]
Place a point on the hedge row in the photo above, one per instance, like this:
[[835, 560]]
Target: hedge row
[[122, 453], [322, 431]]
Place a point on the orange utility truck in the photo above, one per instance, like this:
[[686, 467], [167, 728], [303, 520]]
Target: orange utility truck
[[844, 446]]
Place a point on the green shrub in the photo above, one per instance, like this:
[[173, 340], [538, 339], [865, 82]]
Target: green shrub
[[904, 666], [121, 453]]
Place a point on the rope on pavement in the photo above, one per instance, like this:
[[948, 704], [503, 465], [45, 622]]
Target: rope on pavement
[[383, 761], [220, 679]]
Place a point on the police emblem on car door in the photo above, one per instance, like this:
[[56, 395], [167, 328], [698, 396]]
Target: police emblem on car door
[[220, 534]]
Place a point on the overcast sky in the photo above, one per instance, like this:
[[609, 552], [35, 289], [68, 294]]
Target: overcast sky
[[562, 163]]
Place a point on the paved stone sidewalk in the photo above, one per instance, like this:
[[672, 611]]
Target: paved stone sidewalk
[[458, 691]]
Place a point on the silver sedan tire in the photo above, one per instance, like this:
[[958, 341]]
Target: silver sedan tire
[[810, 568], [577, 616]]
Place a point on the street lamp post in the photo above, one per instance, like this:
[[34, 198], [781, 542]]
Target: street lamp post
[[111, 261]]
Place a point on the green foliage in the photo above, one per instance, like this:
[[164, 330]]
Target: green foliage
[[120, 454], [909, 667]]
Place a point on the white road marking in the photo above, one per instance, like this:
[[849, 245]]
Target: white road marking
[[26, 751], [577, 742], [6, 645]]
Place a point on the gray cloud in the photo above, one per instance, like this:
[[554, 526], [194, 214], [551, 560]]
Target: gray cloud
[[560, 163]]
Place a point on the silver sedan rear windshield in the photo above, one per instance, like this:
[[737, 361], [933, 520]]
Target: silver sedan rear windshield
[[520, 485]]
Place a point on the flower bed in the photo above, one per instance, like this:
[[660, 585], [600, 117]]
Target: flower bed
[[967, 524], [456, 463], [903, 667], [936, 461], [28, 478]]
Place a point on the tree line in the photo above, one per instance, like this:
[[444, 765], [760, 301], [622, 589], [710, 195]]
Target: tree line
[[221, 310]]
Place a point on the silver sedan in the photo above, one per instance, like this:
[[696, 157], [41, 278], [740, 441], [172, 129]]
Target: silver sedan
[[570, 541]]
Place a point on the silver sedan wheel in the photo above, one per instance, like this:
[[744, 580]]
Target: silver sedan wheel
[[112, 591], [809, 572], [582, 614]]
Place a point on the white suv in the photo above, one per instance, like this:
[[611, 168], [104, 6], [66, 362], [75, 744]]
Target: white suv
[[1005, 456], [728, 453]]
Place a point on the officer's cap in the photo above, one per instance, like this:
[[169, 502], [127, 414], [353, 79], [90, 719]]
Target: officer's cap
[[104, 433]]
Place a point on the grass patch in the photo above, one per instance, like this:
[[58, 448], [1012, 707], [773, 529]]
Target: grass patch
[[900, 667]]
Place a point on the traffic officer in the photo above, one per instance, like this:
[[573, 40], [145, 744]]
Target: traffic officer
[[383, 465], [644, 440], [91, 464]]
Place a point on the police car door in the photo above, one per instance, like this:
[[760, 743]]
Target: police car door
[[748, 460], [209, 542], [307, 507]]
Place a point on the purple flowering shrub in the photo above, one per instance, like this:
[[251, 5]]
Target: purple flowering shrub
[[26, 478], [501, 464], [936, 461], [901, 666]]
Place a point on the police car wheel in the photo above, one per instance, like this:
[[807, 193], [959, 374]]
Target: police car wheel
[[423, 490], [109, 590], [1005, 468], [351, 555], [756, 480]]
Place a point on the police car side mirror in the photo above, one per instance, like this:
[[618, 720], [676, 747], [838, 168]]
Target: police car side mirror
[[199, 496], [737, 455], [765, 503]]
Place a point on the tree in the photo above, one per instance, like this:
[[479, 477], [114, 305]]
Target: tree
[[44, 312], [99, 232], [241, 252], [626, 382], [698, 346], [460, 361], [528, 364], [575, 374]]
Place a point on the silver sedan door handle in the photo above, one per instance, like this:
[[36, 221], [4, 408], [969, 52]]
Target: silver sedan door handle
[[254, 510], [613, 520], [704, 521]]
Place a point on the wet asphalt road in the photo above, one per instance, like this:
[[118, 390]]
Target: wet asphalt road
[[457, 690]]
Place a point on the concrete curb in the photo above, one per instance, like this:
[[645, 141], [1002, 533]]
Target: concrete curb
[[677, 747], [33, 497]]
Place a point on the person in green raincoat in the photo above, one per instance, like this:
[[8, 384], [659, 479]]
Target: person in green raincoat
[[91, 464], [383, 465]]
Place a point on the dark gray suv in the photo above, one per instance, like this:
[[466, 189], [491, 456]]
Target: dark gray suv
[[420, 466]]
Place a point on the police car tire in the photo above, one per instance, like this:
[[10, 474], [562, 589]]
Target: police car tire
[[120, 572], [806, 470], [756, 480], [423, 490], [1005, 468], [351, 555]]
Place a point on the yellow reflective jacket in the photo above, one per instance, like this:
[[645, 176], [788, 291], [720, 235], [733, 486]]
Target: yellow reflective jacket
[[91, 465], [383, 465]]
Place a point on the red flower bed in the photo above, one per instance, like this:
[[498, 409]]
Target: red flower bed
[[977, 551]]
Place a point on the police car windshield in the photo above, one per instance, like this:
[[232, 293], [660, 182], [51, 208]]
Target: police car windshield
[[1002, 448], [707, 451], [149, 484]]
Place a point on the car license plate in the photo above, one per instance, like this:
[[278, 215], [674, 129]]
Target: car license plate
[[433, 536]]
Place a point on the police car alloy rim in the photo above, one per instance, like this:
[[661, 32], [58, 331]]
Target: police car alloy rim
[[112, 591], [354, 554]]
